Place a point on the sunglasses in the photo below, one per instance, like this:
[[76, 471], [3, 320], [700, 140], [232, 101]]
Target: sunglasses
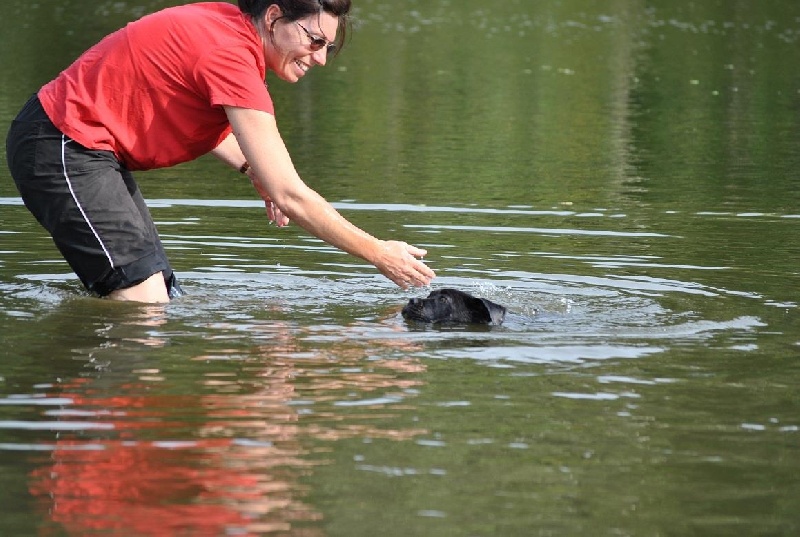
[[318, 42]]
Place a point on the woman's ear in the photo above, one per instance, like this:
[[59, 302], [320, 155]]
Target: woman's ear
[[272, 14]]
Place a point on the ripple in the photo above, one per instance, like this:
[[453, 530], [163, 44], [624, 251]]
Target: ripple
[[535, 230], [55, 425]]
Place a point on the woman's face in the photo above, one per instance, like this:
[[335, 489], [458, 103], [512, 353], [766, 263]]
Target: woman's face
[[290, 52]]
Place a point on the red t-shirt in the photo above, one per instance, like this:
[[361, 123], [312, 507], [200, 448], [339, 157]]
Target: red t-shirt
[[153, 91]]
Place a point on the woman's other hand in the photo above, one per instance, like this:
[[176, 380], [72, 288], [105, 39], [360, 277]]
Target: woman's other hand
[[273, 211]]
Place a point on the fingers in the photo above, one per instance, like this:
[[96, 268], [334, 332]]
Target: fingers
[[416, 252], [424, 274], [421, 278], [275, 214], [412, 272]]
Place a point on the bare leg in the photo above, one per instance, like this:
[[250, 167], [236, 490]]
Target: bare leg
[[152, 290]]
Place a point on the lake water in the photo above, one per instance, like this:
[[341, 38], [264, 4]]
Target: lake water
[[624, 176]]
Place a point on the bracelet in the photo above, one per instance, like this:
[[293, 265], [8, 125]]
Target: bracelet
[[244, 167]]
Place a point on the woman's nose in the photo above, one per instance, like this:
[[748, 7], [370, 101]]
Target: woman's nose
[[320, 56]]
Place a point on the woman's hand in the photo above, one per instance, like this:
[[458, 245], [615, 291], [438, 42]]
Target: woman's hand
[[273, 211], [275, 215], [229, 152], [399, 262]]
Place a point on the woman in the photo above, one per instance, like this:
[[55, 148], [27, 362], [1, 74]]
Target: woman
[[166, 89]]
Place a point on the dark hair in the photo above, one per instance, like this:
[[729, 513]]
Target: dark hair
[[297, 9]]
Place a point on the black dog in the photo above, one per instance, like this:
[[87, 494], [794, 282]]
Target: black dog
[[452, 306]]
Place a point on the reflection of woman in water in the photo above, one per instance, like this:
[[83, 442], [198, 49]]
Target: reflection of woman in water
[[150, 453], [139, 488], [166, 89], [138, 452]]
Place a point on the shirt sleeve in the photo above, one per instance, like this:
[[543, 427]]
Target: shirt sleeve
[[231, 77]]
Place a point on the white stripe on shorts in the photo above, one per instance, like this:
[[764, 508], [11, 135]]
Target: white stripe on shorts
[[64, 141]]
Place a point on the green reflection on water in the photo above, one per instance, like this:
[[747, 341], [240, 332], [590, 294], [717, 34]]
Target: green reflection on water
[[667, 129]]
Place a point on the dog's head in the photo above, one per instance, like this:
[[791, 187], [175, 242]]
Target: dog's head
[[453, 306]]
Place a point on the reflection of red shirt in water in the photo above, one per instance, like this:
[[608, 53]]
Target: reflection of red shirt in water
[[141, 489], [138, 487], [153, 91]]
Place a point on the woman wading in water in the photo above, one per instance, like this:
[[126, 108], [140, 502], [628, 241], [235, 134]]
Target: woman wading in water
[[167, 89]]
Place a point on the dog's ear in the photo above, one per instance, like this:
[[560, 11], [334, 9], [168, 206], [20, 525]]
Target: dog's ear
[[497, 313], [469, 309]]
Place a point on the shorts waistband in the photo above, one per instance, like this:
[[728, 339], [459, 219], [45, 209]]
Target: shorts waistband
[[33, 111]]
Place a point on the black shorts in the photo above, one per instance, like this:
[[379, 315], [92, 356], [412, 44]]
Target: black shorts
[[88, 202]]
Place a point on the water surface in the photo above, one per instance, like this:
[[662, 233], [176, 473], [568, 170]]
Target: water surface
[[622, 175]]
